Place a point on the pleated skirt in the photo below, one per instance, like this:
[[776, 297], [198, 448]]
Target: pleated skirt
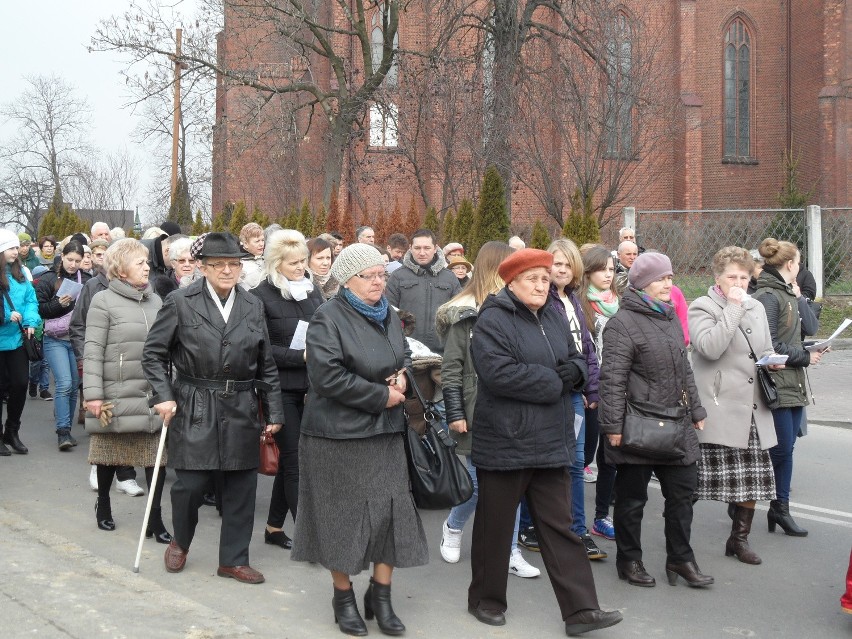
[[355, 506], [736, 474]]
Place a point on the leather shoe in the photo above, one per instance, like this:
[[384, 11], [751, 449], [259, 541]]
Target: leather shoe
[[277, 538], [175, 557], [491, 617], [246, 574], [588, 620], [635, 574], [690, 572], [208, 499]]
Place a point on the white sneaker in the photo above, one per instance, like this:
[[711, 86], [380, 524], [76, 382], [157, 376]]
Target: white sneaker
[[93, 478], [519, 567], [130, 487], [590, 476], [451, 544]]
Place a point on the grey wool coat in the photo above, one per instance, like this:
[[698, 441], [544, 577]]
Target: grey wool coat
[[117, 324], [213, 429], [725, 373]]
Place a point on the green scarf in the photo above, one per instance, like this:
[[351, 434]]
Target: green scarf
[[603, 302]]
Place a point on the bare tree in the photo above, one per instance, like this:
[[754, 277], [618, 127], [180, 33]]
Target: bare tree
[[25, 194], [104, 182]]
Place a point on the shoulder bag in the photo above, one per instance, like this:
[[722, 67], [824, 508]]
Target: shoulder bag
[[438, 478], [655, 432], [764, 380], [32, 346]]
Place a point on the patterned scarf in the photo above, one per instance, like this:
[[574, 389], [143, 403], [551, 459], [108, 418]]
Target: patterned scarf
[[655, 305], [377, 313], [603, 302]]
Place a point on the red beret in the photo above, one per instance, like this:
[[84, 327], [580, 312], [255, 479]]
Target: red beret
[[523, 260]]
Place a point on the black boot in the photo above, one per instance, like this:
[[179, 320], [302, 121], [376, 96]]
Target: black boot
[[10, 436], [738, 541], [156, 528], [779, 513], [103, 514], [4, 452], [377, 602], [346, 614]]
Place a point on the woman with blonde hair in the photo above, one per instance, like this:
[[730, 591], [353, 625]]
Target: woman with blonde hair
[[289, 299], [253, 241], [780, 297], [454, 324]]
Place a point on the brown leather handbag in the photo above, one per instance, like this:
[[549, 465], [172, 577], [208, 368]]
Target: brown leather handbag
[[268, 455]]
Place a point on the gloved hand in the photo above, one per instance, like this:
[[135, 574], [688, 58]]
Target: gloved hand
[[106, 413], [572, 376]]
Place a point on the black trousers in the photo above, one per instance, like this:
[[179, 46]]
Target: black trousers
[[239, 488], [285, 488], [15, 375], [548, 493], [678, 484]]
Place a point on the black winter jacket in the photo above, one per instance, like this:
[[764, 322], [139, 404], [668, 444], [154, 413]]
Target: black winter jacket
[[282, 317], [349, 361], [523, 416], [644, 358], [48, 284]]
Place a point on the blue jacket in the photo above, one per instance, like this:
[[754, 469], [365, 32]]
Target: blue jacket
[[23, 299]]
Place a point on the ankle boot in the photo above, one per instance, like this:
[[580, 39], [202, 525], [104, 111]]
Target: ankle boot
[[10, 436], [156, 528], [779, 513], [737, 543], [103, 514], [690, 572], [4, 452], [377, 601], [346, 614]]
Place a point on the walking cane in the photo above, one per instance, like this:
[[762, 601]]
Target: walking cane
[[152, 490]]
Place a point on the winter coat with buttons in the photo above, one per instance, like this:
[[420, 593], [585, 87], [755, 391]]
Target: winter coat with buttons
[[725, 372], [213, 428]]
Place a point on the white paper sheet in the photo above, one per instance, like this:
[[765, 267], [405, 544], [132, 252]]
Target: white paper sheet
[[299, 336], [821, 346], [578, 424], [772, 360], [69, 287]]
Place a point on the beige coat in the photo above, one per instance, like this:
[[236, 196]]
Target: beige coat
[[725, 372]]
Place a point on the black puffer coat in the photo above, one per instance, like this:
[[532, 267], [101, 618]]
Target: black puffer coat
[[282, 318], [644, 358], [212, 429], [349, 361], [523, 416]]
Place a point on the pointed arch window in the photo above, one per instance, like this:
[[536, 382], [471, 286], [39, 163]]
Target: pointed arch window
[[619, 93], [377, 43], [737, 104]]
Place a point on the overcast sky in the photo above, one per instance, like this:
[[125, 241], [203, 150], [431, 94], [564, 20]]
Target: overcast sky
[[44, 37]]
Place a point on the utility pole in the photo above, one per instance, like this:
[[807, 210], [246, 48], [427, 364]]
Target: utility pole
[[176, 123]]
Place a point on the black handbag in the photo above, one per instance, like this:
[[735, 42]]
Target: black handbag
[[32, 346], [653, 431], [764, 380], [438, 478]]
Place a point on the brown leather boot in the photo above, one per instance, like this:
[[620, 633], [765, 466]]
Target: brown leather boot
[[738, 541]]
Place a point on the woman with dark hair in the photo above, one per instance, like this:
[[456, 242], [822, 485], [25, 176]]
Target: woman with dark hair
[[781, 299], [20, 310], [47, 249], [290, 299], [56, 312], [319, 266]]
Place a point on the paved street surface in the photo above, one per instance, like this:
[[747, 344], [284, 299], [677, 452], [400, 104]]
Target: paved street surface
[[62, 577]]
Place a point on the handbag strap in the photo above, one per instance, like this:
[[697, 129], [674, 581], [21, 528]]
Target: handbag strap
[[751, 350], [428, 405], [12, 306]]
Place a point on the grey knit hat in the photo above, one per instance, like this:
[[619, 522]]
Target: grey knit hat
[[649, 267], [354, 259]]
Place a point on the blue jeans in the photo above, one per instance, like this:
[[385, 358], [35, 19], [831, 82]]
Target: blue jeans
[[40, 374], [63, 363], [578, 504], [460, 514], [787, 424]]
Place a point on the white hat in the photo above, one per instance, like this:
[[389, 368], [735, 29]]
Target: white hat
[[8, 240], [354, 259]]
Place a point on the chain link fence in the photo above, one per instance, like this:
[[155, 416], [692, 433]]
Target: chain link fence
[[691, 238]]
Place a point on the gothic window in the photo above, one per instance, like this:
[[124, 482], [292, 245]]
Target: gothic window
[[377, 41], [383, 125], [618, 120], [737, 91]]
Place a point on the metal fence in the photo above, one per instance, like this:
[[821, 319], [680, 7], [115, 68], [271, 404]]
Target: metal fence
[[691, 238]]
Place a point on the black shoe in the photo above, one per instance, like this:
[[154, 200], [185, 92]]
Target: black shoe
[[635, 574], [377, 602], [592, 549], [491, 617], [527, 538], [346, 614], [45, 395], [4, 452], [63, 436], [71, 438], [588, 620], [690, 572], [10, 437], [156, 528], [103, 514], [208, 499], [779, 513], [278, 538], [33, 389]]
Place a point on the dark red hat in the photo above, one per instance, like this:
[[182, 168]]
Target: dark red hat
[[523, 260]]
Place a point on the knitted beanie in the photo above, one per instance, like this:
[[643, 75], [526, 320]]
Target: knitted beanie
[[523, 260], [649, 267], [354, 259], [8, 240]]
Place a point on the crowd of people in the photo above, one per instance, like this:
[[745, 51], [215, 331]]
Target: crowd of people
[[534, 360]]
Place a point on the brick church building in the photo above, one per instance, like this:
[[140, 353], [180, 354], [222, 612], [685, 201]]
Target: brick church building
[[750, 79]]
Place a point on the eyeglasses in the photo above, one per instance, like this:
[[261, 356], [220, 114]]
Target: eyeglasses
[[188, 260], [220, 266], [374, 276]]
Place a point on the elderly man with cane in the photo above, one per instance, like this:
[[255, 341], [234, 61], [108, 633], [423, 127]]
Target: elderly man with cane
[[209, 361]]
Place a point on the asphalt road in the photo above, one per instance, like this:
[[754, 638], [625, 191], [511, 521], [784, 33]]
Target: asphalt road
[[62, 577]]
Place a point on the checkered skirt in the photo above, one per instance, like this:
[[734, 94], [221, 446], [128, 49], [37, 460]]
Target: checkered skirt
[[736, 474]]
